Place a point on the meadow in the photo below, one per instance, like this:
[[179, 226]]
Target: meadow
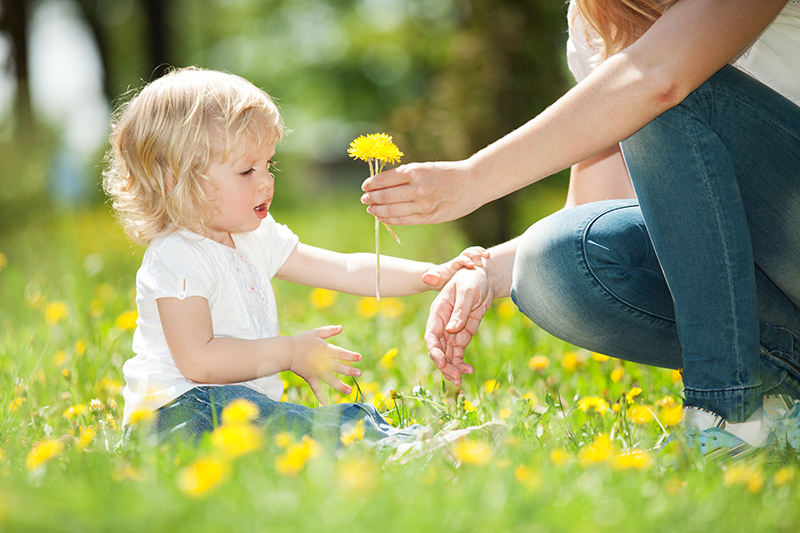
[[562, 439]]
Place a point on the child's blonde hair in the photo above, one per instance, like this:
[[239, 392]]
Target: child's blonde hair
[[164, 139]]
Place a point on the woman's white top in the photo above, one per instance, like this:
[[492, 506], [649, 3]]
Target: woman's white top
[[236, 283], [773, 58]]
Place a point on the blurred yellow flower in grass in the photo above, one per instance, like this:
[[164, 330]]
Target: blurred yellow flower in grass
[[506, 309], [356, 475], [671, 412], [635, 459], [55, 312], [490, 386], [570, 361], [531, 397], [239, 411], [86, 436], [42, 452], [76, 410], [676, 376], [297, 455], [391, 307], [784, 475], [80, 348], [504, 413], [3, 261], [632, 394], [367, 307], [354, 433], [16, 403], [597, 452], [141, 416], [640, 414], [127, 320], [600, 358], [593, 402], [473, 452], [387, 361], [744, 474], [237, 439], [560, 457], [527, 477], [538, 363], [322, 298], [617, 373], [201, 476], [284, 439]]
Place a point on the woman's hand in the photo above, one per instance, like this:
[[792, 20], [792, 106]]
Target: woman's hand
[[454, 318], [314, 360], [437, 276], [423, 193]]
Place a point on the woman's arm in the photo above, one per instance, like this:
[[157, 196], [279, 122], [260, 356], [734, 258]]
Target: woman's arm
[[204, 358], [685, 47], [355, 273]]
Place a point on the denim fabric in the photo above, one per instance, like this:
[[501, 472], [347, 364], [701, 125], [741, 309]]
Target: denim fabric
[[703, 273], [191, 415]]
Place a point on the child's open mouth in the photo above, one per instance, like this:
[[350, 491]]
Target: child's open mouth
[[261, 211]]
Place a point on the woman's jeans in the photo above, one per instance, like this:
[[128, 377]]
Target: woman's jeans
[[193, 414], [703, 273]]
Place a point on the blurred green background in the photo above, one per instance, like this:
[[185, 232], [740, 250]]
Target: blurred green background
[[443, 77]]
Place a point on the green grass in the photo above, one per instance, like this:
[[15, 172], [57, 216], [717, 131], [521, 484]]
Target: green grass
[[545, 470]]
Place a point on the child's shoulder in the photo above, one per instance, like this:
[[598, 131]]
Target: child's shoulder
[[177, 247]]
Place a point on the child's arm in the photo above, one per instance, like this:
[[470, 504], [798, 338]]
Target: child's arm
[[355, 273], [203, 358]]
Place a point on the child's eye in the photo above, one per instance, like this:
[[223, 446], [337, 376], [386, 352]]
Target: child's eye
[[248, 172]]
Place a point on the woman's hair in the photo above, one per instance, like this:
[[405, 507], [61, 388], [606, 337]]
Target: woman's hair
[[620, 22], [165, 137]]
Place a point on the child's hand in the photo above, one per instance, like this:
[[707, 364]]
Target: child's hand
[[314, 360], [437, 277]]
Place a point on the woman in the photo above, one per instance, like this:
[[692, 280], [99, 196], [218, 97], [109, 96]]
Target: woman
[[700, 273]]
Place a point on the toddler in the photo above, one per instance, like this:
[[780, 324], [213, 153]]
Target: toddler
[[189, 174]]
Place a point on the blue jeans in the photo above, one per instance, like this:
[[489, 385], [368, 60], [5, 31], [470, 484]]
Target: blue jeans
[[191, 415], [703, 273]]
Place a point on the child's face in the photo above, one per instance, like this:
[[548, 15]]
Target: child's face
[[243, 193]]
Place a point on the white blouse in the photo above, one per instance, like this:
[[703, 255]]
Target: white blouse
[[773, 58], [236, 283]]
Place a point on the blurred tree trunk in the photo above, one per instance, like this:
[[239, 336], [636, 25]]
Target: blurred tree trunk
[[157, 32], [15, 22]]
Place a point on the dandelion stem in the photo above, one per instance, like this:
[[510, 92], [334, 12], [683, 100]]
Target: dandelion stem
[[377, 259]]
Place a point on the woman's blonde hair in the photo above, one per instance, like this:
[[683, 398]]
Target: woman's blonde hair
[[619, 23], [165, 137]]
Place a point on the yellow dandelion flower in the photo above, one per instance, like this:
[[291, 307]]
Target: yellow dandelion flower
[[784, 475], [538, 363], [375, 146], [358, 475], [468, 407], [352, 434], [597, 452], [76, 410], [617, 373], [141, 416], [387, 361], [238, 439], [570, 362], [671, 415], [16, 403], [284, 439], [391, 307], [506, 309], [55, 312], [593, 402], [367, 307], [292, 461], [204, 474], [322, 298], [473, 452], [42, 452], [636, 459], [112, 423], [60, 359], [526, 476], [632, 394], [86, 436], [3, 261], [743, 474], [127, 320], [96, 405], [676, 376], [531, 399], [312, 448], [560, 457], [239, 411], [490, 386], [504, 413], [600, 358], [640, 414], [80, 348], [616, 407]]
